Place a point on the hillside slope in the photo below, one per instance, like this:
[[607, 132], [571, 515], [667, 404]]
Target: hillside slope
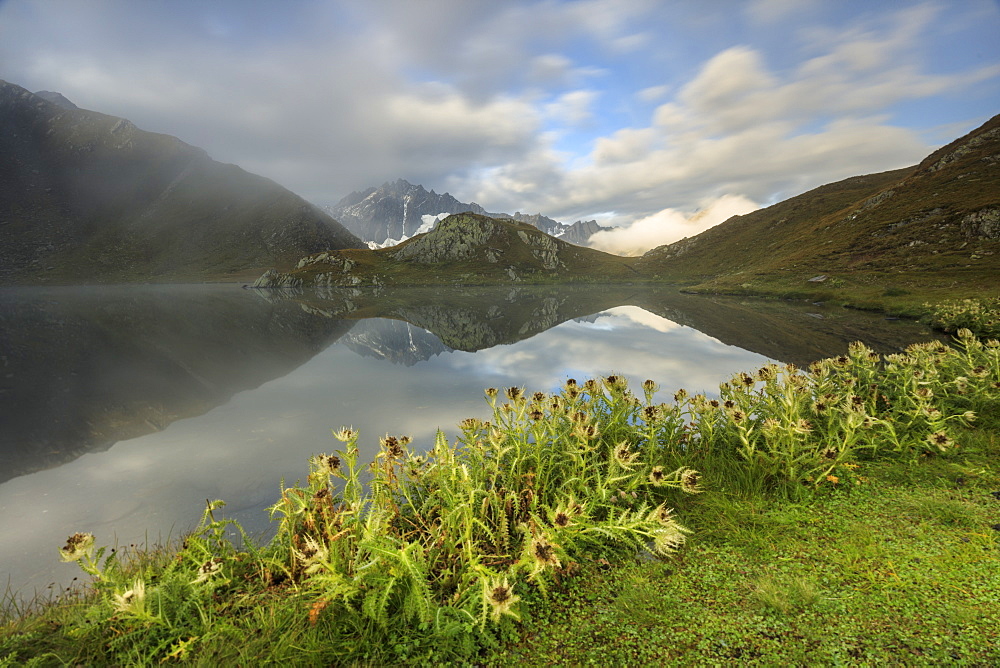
[[935, 226], [86, 197], [465, 248]]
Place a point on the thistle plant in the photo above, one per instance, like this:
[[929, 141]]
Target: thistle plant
[[455, 534]]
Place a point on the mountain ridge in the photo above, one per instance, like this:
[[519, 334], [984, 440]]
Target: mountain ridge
[[394, 211], [89, 197]]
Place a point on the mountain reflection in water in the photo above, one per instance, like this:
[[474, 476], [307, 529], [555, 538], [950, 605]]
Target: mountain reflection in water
[[123, 409]]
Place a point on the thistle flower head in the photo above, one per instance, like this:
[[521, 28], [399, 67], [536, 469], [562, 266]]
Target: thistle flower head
[[624, 455], [133, 600], [325, 464], [680, 395], [392, 448], [345, 434], [513, 393], [689, 479], [207, 570], [657, 476], [940, 440], [652, 414], [543, 553], [501, 598], [78, 546], [536, 415]]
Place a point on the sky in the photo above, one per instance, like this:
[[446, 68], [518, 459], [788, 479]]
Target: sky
[[662, 118]]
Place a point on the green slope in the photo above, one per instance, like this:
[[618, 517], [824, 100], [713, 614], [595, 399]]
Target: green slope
[[932, 228]]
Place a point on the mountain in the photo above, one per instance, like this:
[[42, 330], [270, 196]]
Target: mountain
[[87, 197], [932, 228], [395, 211], [465, 248]]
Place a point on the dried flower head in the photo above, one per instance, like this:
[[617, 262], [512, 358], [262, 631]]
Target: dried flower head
[[513, 393], [78, 546], [536, 415], [680, 395], [345, 434], [940, 440], [328, 464], [624, 455], [657, 476], [501, 598], [543, 553], [689, 479]]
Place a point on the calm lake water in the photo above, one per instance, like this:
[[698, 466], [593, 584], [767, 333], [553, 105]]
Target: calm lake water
[[122, 409]]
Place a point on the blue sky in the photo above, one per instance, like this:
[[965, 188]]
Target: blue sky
[[666, 116]]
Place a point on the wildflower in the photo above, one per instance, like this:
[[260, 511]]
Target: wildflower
[[538, 397], [714, 403], [312, 555], [652, 413], [536, 415], [491, 392], [940, 440], [689, 479], [961, 384], [737, 416], [657, 476], [543, 553], [680, 395], [832, 478], [556, 405], [979, 371], [579, 417], [513, 393], [729, 403], [392, 448], [328, 464], [624, 455], [501, 597], [820, 407], [588, 432], [345, 434], [802, 427], [969, 416], [829, 453], [470, 424], [571, 382], [207, 570], [746, 379], [131, 601], [78, 546], [670, 535], [591, 386]]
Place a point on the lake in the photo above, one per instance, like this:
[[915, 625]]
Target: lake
[[122, 409]]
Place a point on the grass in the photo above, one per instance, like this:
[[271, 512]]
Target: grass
[[903, 568], [841, 514]]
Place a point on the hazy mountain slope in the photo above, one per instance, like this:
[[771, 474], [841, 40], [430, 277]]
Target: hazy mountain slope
[[466, 249], [934, 224], [395, 210], [86, 197]]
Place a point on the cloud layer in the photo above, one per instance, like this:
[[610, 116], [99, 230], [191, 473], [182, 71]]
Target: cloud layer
[[625, 110]]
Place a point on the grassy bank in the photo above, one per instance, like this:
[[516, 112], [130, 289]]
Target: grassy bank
[[797, 518]]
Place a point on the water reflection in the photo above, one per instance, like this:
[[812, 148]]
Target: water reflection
[[222, 392]]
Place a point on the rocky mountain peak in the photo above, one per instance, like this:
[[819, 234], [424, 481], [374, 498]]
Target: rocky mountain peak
[[56, 98]]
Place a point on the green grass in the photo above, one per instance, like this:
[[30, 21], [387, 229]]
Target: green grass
[[902, 568]]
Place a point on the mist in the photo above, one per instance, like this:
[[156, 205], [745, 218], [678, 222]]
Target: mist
[[669, 225]]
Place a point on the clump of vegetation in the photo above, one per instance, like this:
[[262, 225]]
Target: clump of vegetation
[[433, 556], [981, 316]]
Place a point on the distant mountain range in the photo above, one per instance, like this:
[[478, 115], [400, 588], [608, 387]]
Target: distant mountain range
[[931, 229], [87, 197], [396, 211], [464, 248]]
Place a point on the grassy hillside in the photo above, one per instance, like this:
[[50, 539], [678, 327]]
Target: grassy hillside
[[931, 231], [88, 197], [465, 248]]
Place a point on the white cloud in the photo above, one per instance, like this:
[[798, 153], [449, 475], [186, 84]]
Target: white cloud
[[669, 225]]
